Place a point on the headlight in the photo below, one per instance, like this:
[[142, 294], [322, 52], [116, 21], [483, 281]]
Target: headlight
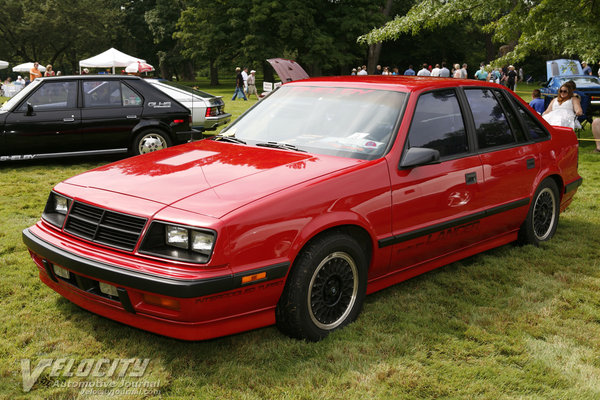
[[56, 209], [179, 242]]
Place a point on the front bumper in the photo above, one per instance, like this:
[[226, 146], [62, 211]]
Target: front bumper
[[207, 307]]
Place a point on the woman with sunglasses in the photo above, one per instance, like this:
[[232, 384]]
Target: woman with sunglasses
[[564, 109]]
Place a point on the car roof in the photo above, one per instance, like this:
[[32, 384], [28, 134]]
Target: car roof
[[395, 82], [90, 77]]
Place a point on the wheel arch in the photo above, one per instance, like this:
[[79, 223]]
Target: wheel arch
[[149, 124]]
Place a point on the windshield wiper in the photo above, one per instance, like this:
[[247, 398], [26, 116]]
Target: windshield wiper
[[228, 139], [284, 146]]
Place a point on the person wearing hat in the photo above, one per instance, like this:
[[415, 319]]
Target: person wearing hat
[[239, 84], [252, 84], [587, 70]]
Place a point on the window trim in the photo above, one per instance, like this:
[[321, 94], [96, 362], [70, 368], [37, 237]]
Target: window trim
[[470, 150]]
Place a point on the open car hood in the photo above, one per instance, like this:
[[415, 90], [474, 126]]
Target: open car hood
[[288, 70], [563, 67]]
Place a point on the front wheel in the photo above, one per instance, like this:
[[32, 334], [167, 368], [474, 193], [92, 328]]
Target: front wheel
[[542, 218], [325, 290], [150, 140]]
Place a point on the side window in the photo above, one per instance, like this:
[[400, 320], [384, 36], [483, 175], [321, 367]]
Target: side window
[[53, 96], [437, 124], [534, 128], [512, 117], [130, 98], [491, 124], [101, 93]]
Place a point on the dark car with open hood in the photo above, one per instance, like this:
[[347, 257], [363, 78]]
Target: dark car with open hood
[[91, 114]]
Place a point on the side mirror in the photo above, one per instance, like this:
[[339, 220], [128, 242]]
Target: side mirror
[[29, 111], [416, 156]]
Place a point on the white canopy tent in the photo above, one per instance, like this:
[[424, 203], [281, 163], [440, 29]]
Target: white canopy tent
[[26, 67], [3, 64], [111, 58]]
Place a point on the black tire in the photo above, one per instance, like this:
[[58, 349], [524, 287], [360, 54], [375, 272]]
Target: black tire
[[150, 140], [325, 289], [542, 218]]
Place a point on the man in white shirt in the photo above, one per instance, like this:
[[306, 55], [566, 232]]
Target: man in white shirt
[[363, 71], [436, 70], [245, 76], [424, 71], [444, 72]]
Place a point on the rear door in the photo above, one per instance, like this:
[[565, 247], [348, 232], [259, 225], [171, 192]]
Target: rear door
[[435, 207], [111, 110], [510, 159], [50, 125]]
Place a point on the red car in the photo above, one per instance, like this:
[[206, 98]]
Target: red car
[[325, 191]]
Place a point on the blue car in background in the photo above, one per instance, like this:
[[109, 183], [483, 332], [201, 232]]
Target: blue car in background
[[561, 71]]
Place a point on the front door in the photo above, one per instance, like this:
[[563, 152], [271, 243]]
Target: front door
[[436, 207], [48, 121]]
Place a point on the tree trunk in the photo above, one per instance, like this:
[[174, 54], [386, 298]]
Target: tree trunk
[[375, 49], [214, 73]]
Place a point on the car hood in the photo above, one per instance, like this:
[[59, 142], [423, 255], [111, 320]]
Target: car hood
[[563, 67], [288, 70], [205, 177]]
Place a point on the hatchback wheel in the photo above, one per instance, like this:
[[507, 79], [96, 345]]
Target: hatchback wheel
[[149, 141], [325, 290], [542, 218]]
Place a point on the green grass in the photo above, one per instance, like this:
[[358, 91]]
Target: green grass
[[511, 323]]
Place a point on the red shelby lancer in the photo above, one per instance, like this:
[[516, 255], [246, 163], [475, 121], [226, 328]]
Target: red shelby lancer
[[325, 191]]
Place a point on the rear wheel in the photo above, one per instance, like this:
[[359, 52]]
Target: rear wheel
[[542, 218], [150, 140], [325, 290]]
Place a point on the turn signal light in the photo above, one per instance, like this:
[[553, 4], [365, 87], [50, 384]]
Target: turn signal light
[[171, 304], [253, 278]]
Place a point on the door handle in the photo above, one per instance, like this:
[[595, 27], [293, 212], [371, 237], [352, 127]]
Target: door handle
[[132, 117], [71, 119], [530, 163], [471, 178]]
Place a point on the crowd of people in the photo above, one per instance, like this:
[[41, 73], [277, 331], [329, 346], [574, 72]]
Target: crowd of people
[[507, 76]]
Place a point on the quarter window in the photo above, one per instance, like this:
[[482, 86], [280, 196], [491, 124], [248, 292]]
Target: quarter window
[[491, 125], [438, 124], [534, 128]]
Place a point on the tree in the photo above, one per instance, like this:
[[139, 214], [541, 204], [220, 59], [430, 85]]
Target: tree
[[60, 32], [560, 27]]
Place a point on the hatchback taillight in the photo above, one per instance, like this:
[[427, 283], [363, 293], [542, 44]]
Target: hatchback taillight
[[212, 111]]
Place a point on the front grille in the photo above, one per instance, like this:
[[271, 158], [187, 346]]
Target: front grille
[[103, 226]]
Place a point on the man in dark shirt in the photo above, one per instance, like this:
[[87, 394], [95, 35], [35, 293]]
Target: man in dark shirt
[[239, 84]]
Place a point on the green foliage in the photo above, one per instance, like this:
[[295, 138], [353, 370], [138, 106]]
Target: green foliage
[[558, 27]]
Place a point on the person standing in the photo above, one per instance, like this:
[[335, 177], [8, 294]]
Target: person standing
[[444, 72], [49, 71], [436, 70], [481, 74], [511, 78], [252, 84], [587, 70], [596, 133], [410, 71], [34, 72], [424, 71], [463, 72], [239, 84], [363, 71], [245, 77]]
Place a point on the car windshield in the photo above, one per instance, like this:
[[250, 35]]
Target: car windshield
[[346, 122], [20, 96], [185, 88], [582, 81]]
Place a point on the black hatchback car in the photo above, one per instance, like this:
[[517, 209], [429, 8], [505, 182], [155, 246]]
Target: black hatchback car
[[90, 114]]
